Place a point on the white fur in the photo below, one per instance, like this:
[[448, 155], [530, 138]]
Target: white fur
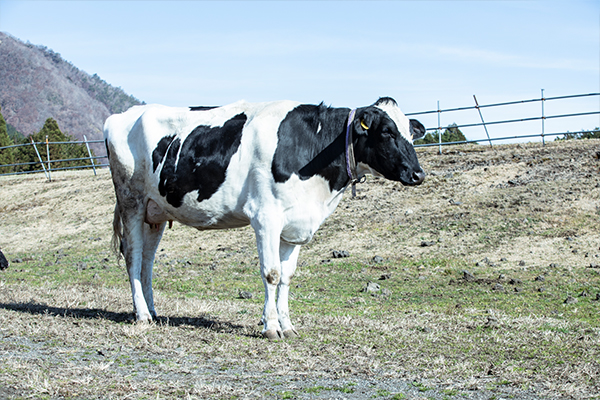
[[401, 120]]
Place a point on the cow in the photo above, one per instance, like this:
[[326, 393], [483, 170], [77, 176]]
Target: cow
[[281, 167]]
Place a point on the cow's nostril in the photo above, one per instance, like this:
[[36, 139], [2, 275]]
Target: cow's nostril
[[418, 177]]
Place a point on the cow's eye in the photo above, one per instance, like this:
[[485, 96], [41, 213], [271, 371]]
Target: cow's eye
[[387, 131]]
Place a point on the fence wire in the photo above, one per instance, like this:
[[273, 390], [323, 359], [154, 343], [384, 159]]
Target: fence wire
[[46, 162], [440, 128]]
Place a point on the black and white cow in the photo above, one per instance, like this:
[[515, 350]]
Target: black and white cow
[[281, 167]]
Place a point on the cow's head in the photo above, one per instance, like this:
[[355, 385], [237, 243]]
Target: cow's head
[[384, 142]]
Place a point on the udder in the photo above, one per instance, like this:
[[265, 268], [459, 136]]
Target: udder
[[300, 230], [155, 215]]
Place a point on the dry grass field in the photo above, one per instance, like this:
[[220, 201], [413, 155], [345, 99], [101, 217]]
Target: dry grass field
[[482, 283]]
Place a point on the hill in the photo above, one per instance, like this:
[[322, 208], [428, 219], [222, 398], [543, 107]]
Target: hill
[[36, 83]]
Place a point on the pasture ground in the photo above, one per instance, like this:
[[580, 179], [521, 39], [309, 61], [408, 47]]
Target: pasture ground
[[488, 274]]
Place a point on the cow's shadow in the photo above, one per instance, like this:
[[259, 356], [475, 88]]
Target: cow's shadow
[[207, 322]]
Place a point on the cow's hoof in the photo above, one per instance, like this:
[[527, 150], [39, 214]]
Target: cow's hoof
[[290, 333], [272, 334], [143, 318]]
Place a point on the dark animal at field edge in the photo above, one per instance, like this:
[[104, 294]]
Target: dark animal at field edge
[[3, 261]]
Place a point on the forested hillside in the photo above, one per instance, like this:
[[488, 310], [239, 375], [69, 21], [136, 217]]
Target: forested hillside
[[36, 83]]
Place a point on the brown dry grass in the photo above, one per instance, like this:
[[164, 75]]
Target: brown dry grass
[[66, 328]]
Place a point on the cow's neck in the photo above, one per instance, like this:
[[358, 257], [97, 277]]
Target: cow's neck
[[334, 156]]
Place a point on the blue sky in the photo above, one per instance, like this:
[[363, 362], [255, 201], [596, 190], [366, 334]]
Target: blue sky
[[342, 53]]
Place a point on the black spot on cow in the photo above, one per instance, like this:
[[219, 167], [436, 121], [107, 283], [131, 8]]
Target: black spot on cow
[[160, 151], [202, 108], [311, 141], [200, 163]]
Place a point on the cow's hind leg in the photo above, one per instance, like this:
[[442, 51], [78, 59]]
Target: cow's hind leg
[[152, 235], [132, 247], [288, 254]]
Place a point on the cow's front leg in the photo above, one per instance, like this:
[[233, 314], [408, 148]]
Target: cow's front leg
[[288, 255], [267, 240]]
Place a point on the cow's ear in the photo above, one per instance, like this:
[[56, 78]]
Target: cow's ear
[[417, 130], [365, 121]]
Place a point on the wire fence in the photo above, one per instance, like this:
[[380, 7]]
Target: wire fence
[[527, 115], [45, 162], [465, 123]]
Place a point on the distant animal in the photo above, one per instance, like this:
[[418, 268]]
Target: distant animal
[[281, 167], [3, 261]]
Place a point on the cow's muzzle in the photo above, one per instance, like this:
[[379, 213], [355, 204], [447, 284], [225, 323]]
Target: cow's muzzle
[[415, 179]]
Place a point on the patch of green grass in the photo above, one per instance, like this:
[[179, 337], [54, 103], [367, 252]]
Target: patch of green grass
[[347, 388], [420, 387], [381, 393], [315, 389], [66, 268]]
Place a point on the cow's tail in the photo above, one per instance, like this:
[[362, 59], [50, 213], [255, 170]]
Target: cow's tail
[[117, 239]]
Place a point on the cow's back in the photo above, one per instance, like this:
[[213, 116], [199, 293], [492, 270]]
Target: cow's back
[[158, 153], [134, 134]]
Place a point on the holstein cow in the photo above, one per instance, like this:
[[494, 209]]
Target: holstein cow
[[281, 167]]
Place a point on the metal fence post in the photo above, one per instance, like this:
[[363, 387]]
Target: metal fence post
[[482, 121], [48, 158], [439, 130], [90, 154], [40, 158], [543, 119]]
